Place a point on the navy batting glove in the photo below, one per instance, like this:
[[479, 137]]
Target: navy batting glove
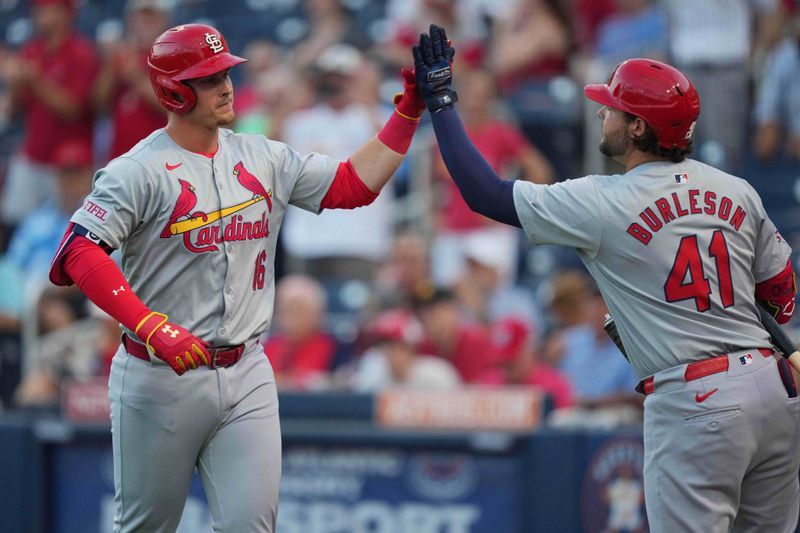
[[433, 63]]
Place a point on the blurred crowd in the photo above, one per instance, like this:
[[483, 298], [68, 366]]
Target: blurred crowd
[[414, 290]]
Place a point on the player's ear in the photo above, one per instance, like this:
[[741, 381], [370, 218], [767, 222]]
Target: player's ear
[[638, 127]]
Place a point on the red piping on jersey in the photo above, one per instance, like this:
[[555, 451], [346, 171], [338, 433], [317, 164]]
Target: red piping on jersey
[[57, 274], [208, 154]]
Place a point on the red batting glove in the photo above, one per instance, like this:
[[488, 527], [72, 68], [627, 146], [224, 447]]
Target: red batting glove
[[172, 344], [409, 104]]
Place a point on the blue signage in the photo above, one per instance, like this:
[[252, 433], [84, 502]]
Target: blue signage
[[324, 489]]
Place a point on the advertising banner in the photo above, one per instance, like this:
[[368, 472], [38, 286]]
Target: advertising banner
[[324, 489]]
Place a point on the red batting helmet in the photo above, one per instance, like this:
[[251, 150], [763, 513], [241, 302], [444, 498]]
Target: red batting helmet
[[183, 53], [658, 93]]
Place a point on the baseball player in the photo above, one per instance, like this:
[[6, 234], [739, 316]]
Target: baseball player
[[194, 210], [680, 251]]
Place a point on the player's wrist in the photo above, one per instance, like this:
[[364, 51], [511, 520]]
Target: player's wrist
[[409, 105], [148, 325], [412, 116], [398, 132], [441, 100]]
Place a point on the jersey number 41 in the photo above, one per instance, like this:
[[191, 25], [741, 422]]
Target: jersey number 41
[[696, 286]]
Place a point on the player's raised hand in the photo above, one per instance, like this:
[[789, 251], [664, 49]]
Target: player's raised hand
[[173, 344], [433, 60], [409, 103]]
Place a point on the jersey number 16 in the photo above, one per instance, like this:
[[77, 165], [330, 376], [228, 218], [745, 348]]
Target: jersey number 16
[[697, 286], [259, 271]]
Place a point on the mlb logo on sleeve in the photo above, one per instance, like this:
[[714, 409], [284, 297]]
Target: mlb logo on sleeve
[[746, 359], [682, 178]]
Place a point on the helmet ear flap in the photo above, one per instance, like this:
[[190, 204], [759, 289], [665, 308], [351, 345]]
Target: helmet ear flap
[[182, 53], [175, 95]]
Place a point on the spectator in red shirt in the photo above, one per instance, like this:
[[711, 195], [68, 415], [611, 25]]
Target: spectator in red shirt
[[300, 351], [123, 86], [508, 152], [518, 365], [50, 82], [447, 334]]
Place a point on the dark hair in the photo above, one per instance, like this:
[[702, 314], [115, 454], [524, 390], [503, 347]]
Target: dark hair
[[648, 143]]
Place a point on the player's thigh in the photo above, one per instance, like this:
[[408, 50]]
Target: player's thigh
[[695, 458], [155, 446], [241, 465], [771, 492], [770, 501]]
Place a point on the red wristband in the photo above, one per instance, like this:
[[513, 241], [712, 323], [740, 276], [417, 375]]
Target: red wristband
[[398, 131]]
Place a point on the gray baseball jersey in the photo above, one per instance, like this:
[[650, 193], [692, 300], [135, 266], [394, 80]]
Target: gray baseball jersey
[[676, 250], [198, 234]]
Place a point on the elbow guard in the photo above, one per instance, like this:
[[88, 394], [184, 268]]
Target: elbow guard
[[777, 293]]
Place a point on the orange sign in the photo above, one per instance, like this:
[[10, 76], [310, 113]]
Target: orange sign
[[502, 409]]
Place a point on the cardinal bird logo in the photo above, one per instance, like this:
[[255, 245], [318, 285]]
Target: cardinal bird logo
[[187, 199], [252, 183]]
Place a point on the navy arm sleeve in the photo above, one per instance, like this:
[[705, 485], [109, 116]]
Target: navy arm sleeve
[[483, 190]]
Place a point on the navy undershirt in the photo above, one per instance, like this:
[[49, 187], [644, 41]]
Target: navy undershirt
[[483, 190]]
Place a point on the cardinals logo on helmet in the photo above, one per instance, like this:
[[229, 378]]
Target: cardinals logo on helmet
[[215, 43]]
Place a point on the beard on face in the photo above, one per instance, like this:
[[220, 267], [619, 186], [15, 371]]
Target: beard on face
[[226, 120], [615, 144]]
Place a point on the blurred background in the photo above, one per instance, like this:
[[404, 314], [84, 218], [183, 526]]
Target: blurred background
[[437, 373]]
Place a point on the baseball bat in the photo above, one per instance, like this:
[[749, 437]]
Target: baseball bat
[[779, 337], [198, 222]]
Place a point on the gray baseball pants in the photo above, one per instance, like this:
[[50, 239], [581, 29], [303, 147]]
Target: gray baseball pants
[[224, 422], [725, 460]]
